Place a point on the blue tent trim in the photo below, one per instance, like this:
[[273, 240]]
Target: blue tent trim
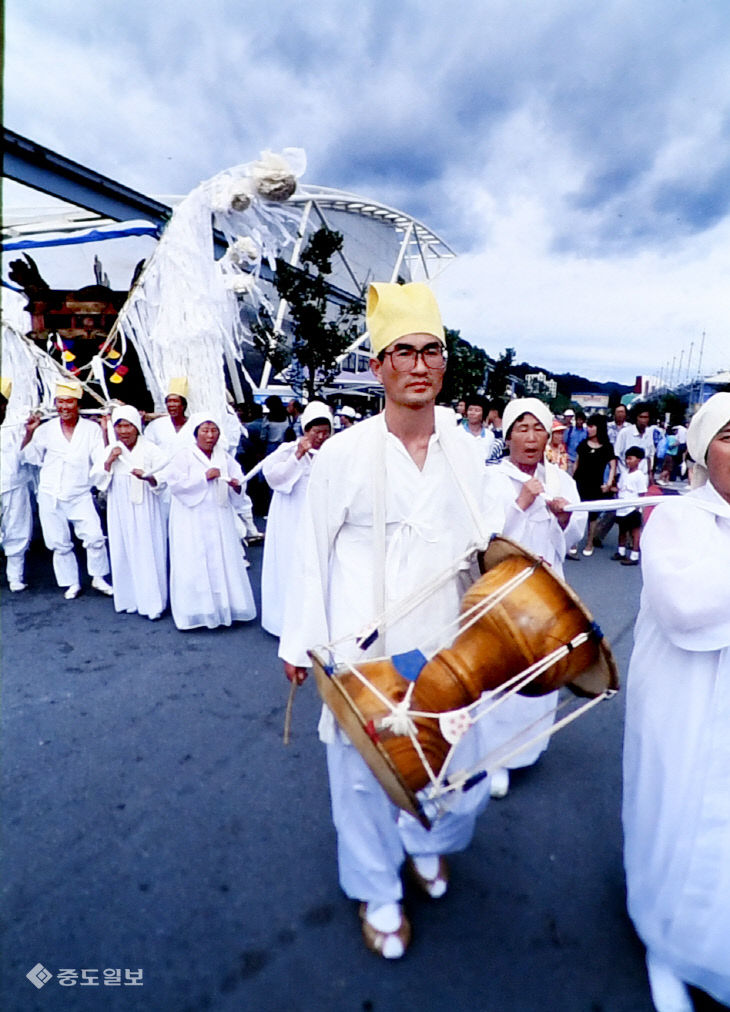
[[74, 240]]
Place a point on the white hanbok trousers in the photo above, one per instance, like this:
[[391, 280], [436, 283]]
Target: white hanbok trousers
[[57, 516], [16, 528], [374, 835]]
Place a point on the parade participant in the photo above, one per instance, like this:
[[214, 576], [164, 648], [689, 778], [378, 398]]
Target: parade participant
[[348, 416], [391, 503], [16, 520], [532, 494], [631, 482], [135, 520], [676, 769], [64, 449], [473, 426], [287, 472], [164, 430], [595, 471], [208, 581]]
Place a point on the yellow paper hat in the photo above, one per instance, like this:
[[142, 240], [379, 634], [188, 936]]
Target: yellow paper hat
[[178, 385], [396, 310], [69, 388], [6, 387]]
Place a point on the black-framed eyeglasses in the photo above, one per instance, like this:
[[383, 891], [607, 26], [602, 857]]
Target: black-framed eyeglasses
[[404, 357]]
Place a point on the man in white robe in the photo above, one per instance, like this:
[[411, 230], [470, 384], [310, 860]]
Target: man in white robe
[[529, 492], [64, 448], [287, 472], [16, 521], [392, 502], [135, 520], [209, 585], [676, 797]]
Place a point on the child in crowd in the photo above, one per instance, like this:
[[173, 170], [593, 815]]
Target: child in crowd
[[631, 483]]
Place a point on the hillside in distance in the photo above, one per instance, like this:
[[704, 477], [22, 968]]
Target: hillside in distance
[[569, 383]]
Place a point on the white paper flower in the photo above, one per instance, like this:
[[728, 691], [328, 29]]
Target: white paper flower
[[241, 284], [232, 195], [274, 177], [244, 251]]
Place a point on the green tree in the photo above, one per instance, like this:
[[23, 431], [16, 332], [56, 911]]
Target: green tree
[[499, 376], [319, 335], [467, 367]]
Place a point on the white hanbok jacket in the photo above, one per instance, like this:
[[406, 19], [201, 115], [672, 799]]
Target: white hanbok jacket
[[676, 800], [209, 585], [65, 463], [137, 531], [428, 525], [538, 530], [289, 478]]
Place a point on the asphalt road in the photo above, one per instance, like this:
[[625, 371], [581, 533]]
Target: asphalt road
[[153, 819]]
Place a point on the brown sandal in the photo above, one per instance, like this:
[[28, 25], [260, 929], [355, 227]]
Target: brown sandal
[[377, 941]]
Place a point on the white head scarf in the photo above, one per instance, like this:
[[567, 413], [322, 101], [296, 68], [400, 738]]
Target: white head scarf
[[127, 413], [313, 411], [536, 407], [532, 405], [705, 425], [218, 458]]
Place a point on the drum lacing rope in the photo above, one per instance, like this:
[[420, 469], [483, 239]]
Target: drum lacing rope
[[399, 719], [396, 611], [399, 712], [462, 781], [493, 698], [466, 619]]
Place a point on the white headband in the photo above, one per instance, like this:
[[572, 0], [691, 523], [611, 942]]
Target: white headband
[[705, 425]]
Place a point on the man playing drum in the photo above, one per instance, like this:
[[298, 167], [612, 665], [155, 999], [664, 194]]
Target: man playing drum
[[392, 502]]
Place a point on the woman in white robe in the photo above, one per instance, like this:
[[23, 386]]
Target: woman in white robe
[[209, 585], [287, 472], [531, 493], [676, 799], [135, 521]]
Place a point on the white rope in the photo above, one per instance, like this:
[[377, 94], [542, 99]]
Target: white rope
[[458, 783], [400, 608], [400, 720], [480, 608]]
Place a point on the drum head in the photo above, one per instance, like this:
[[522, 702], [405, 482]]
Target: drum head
[[602, 675], [351, 720]]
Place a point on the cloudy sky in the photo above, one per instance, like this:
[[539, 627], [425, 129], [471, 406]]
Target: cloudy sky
[[576, 155]]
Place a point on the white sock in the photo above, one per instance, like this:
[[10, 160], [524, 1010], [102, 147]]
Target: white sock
[[634, 556], [385, 917], [621, 550], [668, 992], [426, 864]]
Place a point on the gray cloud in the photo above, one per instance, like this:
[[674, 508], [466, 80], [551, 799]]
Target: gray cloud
[[611, 118]]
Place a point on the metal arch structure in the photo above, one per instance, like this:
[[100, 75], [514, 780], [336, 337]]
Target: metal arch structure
[[421, 250], [417, 253]]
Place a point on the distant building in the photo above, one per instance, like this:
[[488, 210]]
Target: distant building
[[538, 383], [591, 402]]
